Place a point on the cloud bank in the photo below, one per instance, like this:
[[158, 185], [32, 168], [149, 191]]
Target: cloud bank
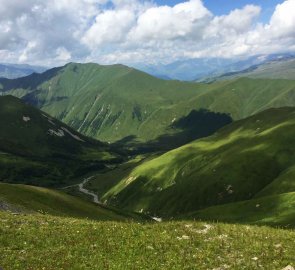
[[132, 31]]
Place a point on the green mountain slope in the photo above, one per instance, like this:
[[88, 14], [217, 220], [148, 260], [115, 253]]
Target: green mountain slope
[[106, 102], [246, 159], [114, 102], [275, 210], [30, 199], [38, 149]]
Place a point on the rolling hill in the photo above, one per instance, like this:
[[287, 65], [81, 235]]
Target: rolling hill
[[111, 103], [248, 159], [273, 210], [37, 200], [38, 149]]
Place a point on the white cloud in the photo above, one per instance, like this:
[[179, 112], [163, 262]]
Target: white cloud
[[164, 22], [282, 23], [63, 54], [236, 22], [109, 27], [56, 31]]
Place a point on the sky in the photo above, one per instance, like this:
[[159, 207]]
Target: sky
[[222, 7], [55, 32]]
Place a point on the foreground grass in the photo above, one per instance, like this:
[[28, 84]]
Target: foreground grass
[[45, 242]]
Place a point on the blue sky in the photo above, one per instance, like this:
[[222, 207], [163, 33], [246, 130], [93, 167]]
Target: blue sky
[[54, 32], [221, 7]]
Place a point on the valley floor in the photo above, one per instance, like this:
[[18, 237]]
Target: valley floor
[[47, 242]]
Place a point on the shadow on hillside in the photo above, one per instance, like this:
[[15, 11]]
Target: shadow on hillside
[[196, 125]]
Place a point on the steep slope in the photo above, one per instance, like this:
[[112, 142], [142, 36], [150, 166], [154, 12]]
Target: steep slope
[[38, 149], [30, 199], [114, 102], [106, 102], [241, 161]]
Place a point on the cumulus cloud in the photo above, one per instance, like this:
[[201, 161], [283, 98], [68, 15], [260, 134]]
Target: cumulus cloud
[[282, 23], [165, 23], [236, 22], [56, 31], [110, 27]]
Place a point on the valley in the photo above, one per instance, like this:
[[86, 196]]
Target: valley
[[113, 148], [147, 135]]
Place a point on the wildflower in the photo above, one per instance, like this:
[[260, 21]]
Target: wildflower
[[255, 259]]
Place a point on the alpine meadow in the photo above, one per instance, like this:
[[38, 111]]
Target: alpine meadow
[[147, 134]]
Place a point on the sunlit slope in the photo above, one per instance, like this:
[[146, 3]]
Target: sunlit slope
[[245, 159], [38, 149], [112, 102], [275, 210], [30, 199]]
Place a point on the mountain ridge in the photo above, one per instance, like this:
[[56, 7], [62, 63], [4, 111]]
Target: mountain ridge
[[111, 103]]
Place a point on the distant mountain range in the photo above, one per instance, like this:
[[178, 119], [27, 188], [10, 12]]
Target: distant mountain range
[[280, 68], [12, 71], [205, 69]]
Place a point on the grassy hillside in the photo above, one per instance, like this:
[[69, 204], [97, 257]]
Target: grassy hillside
[[107, 102], [30, 199], [38, 149], [274, 210], [39, 241], [247, 159], [114, 102]]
